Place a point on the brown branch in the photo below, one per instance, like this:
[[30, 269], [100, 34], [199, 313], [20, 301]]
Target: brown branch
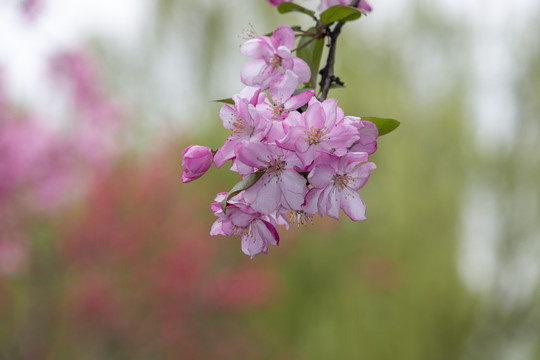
[[327, 73]]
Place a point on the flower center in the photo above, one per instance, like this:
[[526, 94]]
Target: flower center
[[241, 128], [341, 181], [278, 111], [275, 61], [314, 136], [275, 165], [240, 230]]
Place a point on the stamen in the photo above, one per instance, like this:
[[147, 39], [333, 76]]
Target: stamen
[[314, 136], [241, 231], [241, 127], [275, 61], [278, 111], [275, 167], [341, 181], [249, 33], [299, 217]]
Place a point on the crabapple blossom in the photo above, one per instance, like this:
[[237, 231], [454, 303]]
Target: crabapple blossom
[[196, 162], [319, 130], [335, 183], [256, 230], [246, 125], [368, 135], [281, 93], [281, 184], [272, 56]]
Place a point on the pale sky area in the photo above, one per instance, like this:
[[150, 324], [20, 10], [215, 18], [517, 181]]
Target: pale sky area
[[63, 24]]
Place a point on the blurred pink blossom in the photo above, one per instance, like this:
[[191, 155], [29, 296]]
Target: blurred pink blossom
[[13, 247], [31, 9], [43, 168], [79, 73]]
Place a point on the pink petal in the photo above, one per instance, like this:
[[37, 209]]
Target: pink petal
[[253, 154], [323, 203], [363, 146], [220, 227], [241, 219], [301, 68], [283, 86], [361, 175], [311, 200], [293, 189], [350, 160], [321, 176], [264, 195], [228, 116], [330, 109], [283, 35], [254, 244], [256, 48], [340, 138], [242, 107], [283, 52], [241, 168], [250, 93], [252, 70], [314, 116], [299, 100], [334, 199], [369, 129], [308, 156], [294, 140], [353, 205], [225, 153], [274, 240]]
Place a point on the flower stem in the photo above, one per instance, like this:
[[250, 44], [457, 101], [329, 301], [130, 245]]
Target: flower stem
[[327, 73]]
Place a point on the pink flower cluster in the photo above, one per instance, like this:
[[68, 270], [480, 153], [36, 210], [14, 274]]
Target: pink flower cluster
[[308, 156]]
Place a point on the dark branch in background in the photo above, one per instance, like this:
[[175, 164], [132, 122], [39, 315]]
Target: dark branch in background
[[327, 73]]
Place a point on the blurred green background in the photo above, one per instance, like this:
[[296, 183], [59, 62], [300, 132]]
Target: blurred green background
[[445, 267]]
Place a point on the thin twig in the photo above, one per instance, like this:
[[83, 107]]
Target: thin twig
[[327, 73], [315, 36]]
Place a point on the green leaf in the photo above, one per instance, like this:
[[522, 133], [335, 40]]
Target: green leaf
[[241, 186], [290, 7], [383, 125], [340, 13], [229, 101], [311, 54]]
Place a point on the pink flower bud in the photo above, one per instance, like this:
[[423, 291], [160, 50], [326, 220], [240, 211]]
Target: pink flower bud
[[197, 161]]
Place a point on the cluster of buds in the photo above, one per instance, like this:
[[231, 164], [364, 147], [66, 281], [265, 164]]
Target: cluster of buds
[[297, 154]]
